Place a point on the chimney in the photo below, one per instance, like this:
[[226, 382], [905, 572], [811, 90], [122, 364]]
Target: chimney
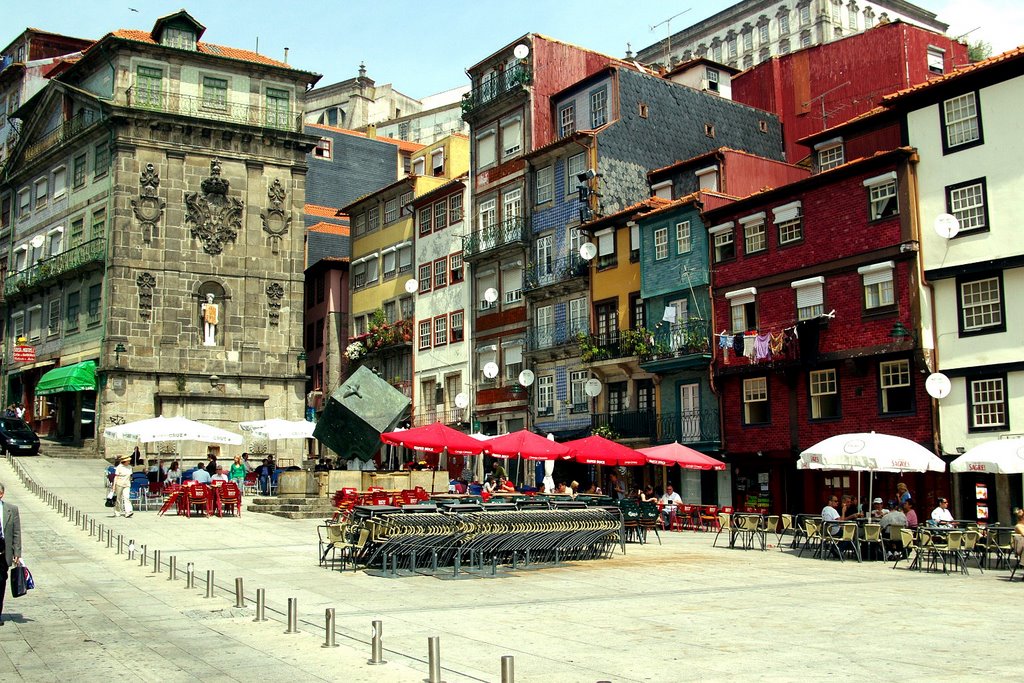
[[286, 55], [371, 131]]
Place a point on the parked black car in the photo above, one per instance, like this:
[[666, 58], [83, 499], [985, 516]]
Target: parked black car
[[17, 437]]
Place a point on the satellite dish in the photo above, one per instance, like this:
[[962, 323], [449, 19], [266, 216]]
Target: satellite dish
[[411, 285], [946, 225], [461, 400], [526, 377], [521, 51], [588, 251], [937, 385], [490, 295], [491, 370], [592, 388], [37, 241]]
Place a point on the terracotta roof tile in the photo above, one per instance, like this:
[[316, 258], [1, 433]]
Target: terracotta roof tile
[[956, 73], [329, 228], [315, 210], [206, 48], [403, 145]]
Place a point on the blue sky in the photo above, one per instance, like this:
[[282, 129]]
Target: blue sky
[[424, 46]]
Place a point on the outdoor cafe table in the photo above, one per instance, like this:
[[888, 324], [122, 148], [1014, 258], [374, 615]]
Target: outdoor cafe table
[[749, 523]]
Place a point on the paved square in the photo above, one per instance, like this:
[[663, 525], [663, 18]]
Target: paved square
[[682, 610]]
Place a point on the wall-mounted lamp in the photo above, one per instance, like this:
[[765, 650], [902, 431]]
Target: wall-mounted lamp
[[899, 331], [118, 350], [214, 380]]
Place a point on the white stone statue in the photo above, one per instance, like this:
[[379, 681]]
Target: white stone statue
[[209, 312]]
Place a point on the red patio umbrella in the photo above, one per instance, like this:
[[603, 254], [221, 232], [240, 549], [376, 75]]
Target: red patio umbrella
[[527, 445], [597, 450], [678, 454], [435, 438]]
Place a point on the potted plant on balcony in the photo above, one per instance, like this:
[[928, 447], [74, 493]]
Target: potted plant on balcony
[[638, 342], [589, 350], [604, 431]]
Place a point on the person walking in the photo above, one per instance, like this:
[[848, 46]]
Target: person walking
[[123, 487], [10, 543], [237, 473]]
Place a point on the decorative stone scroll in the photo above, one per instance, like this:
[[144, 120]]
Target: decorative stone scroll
[[149, 207], [214, 217], [276, 219], [275, 292], [146, 282]]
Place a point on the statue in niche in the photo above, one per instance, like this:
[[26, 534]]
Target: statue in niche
[[209, 312], [214, 217]]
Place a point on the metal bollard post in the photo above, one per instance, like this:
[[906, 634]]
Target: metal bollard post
[[508, 669], [434, 660], [156, 561], [209, 583], [261, 604], [190, 576], [293, 616], [120, 543], [329, 628], [172, 568], [376, 648], [78, 518], [92, 527], [142, 557], [239, 593], [110, 538], [99, 536], [131, 549]]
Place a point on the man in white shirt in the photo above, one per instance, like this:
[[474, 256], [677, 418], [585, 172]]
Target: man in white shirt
[[200, 475], [941, 515], [669, 501], [220, 476], [830, 514]]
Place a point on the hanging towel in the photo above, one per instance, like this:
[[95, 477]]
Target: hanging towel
[[737, 344], [775, 344], [724, 341], [791, 344], [761, 351], [748, 346]]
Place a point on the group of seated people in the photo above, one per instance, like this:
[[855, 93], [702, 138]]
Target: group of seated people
[[210, 470]]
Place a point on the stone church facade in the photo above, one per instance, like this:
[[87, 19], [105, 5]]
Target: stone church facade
[[202, 252]]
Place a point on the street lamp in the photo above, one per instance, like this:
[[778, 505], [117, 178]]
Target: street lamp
[[118, 350]]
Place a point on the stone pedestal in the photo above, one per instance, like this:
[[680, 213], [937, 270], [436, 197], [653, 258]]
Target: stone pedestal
[[296, 483]]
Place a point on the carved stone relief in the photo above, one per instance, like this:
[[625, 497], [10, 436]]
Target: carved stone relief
[[214, 217], [276, 219], [146, 282], [149, 207], [275, 293]]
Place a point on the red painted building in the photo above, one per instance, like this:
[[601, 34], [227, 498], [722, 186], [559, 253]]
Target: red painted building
[[819, 279], [822, 86]]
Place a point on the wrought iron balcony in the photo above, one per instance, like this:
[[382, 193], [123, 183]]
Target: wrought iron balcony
[[511, 231], [428, 416], [540, 337], [553, 272], [689, 427], [215, 109], [78, 123], [56, 267], [492, 88], [678, 345], [686, 427]]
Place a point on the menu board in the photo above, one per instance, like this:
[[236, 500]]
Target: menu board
[[981, 498]]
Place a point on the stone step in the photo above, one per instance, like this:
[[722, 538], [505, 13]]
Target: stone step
[[56, 449]]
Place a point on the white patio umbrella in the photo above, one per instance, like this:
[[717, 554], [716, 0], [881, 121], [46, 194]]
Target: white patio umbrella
[[277, 428], [171, 429], [998, 456], [870, 452], [549, 471]]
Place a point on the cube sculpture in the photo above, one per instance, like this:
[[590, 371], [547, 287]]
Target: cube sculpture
[[358, 412]]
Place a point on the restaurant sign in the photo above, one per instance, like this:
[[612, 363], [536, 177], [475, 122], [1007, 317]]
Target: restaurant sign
[[24, 354]]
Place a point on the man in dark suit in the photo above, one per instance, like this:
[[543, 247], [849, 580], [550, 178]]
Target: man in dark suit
[[10, 543]]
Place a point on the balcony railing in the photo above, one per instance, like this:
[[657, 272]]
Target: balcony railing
[[540, 337], [56, 267], [687, 427], [545, 274], [65, 131], [449, 416], [493, 87], [681, 339], [510, 231], [218, 110]]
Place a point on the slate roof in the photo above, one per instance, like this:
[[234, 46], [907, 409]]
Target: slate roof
[[403, 145], [321, 245]]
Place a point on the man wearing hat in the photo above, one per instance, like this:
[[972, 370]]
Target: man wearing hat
[[122, 487], [877, 511]]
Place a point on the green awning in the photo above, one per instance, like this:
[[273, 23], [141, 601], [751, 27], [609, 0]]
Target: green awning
[[77, 377]]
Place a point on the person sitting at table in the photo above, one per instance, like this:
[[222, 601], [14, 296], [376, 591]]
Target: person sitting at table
[[941, 516], [574, 487], [541, 488], [200, 475], [669, 501], [877, 511], [848, 509], [1018, 528], [219, 475], [830, 514], [647, 495], [489, 485], [507, 486], [908, 510], [264, 473], [173, 473], [894, 517]]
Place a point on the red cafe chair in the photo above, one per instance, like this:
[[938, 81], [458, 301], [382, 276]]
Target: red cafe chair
[[231, 499], [198, 495]]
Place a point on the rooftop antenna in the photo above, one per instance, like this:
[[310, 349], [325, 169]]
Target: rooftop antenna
[[668, 32], [824, 114]]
